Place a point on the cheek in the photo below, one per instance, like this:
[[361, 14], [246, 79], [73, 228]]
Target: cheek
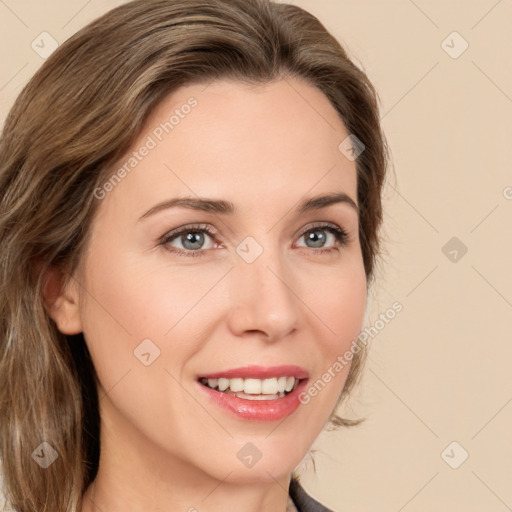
[[341, 309], [341, 306], [126, 303]]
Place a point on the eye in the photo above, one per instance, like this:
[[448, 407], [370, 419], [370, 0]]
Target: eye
[[317, 236], [191, 239]]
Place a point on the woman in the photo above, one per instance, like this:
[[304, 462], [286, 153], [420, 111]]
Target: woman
[[190, 206]]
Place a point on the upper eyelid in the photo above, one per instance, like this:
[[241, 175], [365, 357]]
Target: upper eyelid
[[192, 227], [214, 232]]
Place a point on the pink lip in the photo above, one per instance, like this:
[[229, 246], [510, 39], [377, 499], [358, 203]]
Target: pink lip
[[260, 372], [256, 410]]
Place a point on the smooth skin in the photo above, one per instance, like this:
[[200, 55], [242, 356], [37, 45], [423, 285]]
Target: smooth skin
[[164, 445]]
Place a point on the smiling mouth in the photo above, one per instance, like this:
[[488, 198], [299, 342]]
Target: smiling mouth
[[253, 389]]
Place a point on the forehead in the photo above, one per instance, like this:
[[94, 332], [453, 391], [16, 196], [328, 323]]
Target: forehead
[[251, 144]]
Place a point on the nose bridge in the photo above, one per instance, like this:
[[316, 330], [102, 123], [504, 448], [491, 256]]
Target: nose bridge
[[262, 295]]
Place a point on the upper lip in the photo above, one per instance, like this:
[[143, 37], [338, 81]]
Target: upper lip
[[259, 372]]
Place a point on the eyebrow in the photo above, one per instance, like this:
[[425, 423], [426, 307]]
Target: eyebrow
[[223, 207]]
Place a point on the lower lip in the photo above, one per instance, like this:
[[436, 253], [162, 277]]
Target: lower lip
[[257, 410]]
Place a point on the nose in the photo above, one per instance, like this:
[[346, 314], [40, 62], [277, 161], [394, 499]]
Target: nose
[[263, 299]]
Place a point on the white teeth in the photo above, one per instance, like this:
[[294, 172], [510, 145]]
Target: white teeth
[[236, 384], [290, 381], [223, 384], [281, 384], [269, 388], [251, 386]]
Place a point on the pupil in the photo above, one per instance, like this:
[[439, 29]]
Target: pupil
[[194, 238], [313, 237]]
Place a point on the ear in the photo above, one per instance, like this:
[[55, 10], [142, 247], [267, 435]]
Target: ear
[[61, 299]]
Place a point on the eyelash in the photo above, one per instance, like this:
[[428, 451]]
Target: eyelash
[[342, 238]]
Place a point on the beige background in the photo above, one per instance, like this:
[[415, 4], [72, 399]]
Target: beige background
[[440, 371]]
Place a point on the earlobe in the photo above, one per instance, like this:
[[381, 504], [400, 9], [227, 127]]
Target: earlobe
[[61, 300]]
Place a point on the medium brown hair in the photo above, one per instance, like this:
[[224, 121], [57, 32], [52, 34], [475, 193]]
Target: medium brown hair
[[72, 122]]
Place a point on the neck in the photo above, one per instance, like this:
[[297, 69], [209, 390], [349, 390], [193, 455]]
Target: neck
[[179, 495], [135, 475]]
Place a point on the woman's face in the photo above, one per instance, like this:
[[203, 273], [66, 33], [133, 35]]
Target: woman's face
[[270, 287]]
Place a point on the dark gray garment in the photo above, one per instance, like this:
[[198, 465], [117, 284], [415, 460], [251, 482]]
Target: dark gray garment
[[303, 501]]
